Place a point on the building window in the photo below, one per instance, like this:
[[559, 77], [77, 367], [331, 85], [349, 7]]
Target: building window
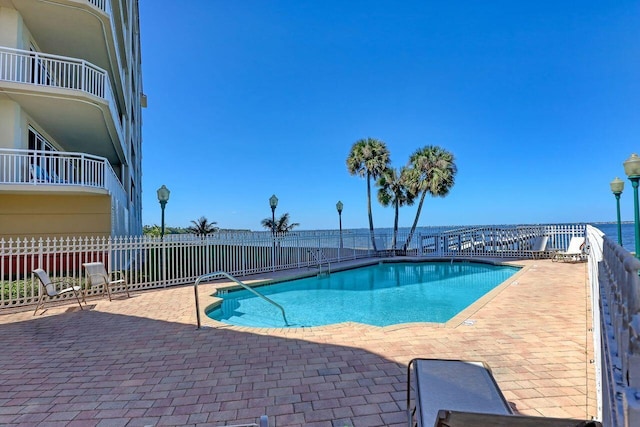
[[39, 142], [45, 166]]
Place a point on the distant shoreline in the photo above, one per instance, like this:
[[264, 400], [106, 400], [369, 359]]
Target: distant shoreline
[[611, 222]]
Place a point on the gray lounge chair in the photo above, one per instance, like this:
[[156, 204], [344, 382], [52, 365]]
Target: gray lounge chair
[[264, 422], [470, 419], [458, 393], [451, 384]]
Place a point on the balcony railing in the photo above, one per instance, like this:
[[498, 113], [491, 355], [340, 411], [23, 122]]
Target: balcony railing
[[100, 4], [106, 7], [21, 66], [40, 69], [56, 168]]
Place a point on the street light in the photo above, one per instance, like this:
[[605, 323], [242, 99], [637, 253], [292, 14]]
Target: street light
[[163, 198], [632, 169], [273, 202], [617, 185], [339, 207]]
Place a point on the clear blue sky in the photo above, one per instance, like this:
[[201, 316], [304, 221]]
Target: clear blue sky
[[537, 100]]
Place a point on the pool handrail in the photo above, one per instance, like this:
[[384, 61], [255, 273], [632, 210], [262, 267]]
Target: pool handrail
[[319, 259], [230, 277]]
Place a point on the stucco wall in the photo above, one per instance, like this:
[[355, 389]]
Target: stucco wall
[[11, 129], [41, 215]]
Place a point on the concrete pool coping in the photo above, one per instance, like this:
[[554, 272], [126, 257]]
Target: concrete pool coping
[[141, 360]]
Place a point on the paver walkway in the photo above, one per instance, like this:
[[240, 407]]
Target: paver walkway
[[141, 361]]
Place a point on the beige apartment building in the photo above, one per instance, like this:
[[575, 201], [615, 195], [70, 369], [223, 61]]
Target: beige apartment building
[[70, 118]]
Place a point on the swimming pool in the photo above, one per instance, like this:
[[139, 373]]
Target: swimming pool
[[380, 295]]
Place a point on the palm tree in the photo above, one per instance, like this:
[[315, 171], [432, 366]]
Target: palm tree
[[281, 225], [202, 227], [151, 230], [433, 171], [393, 191], [368, 158]]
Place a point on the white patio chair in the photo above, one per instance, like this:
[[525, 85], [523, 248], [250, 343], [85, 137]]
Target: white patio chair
[[50, 289], [539, 247], [97, 276], [573, 253]]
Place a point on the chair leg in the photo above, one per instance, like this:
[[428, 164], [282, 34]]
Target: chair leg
[[78, 298], [106, 286], [40, 303]]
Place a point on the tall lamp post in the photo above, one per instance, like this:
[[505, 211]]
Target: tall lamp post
[[339, 207], [617, 185], [273, 202], [632, 169], [163, 198]]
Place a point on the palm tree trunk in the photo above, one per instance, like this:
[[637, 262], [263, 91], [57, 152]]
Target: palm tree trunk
[[371, 232], [415, 221]]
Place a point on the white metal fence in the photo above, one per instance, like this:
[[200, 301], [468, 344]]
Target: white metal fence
[[615, 285], [179, 259], [497, 241]]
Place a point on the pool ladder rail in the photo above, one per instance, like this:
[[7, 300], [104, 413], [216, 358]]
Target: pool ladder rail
[[230, 277], [320, 258]]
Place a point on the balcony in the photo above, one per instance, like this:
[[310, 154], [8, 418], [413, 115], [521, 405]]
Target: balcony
[[23, 171], [70, 98], [84, 29]]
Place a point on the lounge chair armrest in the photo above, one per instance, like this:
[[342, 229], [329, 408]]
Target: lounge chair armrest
[[66, 284], [118, 276], [65, 281]]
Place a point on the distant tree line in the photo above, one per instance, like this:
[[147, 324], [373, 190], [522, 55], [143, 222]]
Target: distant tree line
[[200, 227]]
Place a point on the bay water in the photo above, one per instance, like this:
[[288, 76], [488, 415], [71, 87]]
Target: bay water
[[611, 231]]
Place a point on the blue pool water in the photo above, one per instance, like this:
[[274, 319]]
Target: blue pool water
[[380, 295]]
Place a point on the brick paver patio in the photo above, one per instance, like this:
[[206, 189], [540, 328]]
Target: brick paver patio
[[142, 362]]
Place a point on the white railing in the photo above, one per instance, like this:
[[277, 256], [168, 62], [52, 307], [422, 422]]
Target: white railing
[[36, 167], [59, 168], [152, 262], [181, 259], [41, 69], [497, 241], [613, 274], [100, 4], [23, 66]]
